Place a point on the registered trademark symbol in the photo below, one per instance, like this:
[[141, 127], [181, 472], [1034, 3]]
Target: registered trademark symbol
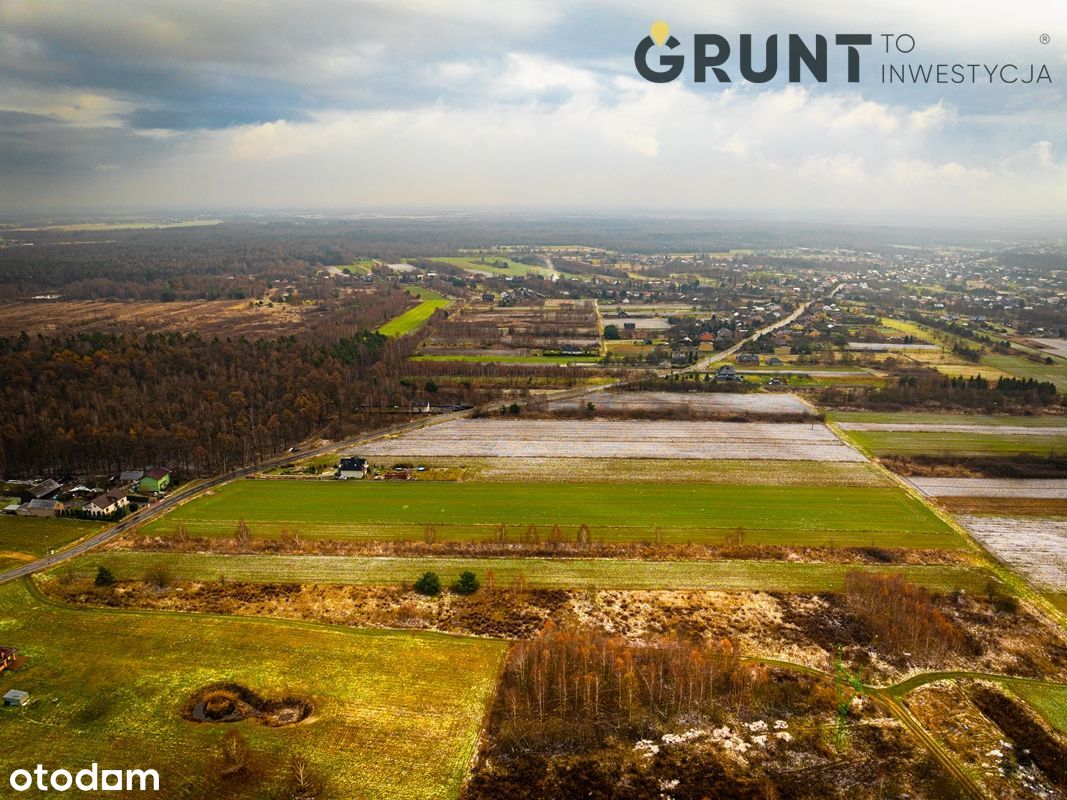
[[1045, 38]]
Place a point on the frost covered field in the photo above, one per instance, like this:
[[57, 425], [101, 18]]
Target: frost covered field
[[1035, 547], [620, 439], [696, 401], [1038, 488]]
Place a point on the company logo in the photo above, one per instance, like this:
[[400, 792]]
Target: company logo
[[712, 51], [92, 779], [658, 59]]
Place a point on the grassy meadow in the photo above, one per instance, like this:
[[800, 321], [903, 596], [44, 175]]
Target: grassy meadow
[[415, 318], [396, 715], [25, 539], [547, 573]]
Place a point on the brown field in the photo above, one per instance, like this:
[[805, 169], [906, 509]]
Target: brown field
[[222, 317], [698, 402], [1006, 506], [483, 329]]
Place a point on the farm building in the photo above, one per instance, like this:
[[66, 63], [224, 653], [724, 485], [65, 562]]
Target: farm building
[[7, 657], [747, 358], [44, 489], [16, 698], [40, 508], [131, 476], [155, 480], [351, 467]]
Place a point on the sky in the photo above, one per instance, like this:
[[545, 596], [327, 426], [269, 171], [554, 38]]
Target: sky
[[362, 104]]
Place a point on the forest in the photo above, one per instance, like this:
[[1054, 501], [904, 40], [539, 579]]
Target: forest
[[92, 402]]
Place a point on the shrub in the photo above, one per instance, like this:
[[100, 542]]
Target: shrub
[[104, 577], [467, 583], [428, 584], [159, 576]]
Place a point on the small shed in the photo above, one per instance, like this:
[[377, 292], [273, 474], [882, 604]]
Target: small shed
[[15, 697]]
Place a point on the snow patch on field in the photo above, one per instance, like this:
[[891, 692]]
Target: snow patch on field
[[1040, 488], [1035, 547], [620, 439]]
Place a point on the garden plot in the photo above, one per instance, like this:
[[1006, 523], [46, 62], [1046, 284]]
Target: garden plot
[[622, 439], [1037, 488], [640, 323], [926, 427], [700, 402], [1035, 547]]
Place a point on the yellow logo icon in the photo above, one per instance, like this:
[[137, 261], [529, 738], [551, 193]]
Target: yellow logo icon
[[660, 31]]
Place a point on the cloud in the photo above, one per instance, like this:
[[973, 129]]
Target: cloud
[[344, 103]]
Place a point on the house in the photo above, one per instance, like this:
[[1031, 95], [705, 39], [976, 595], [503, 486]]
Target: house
[[16, 698], [107, 504], [7, 657], [44, 489], [727, 373], [747, 358], [571, 350], [351, 467], [155, 480], [705, 337]]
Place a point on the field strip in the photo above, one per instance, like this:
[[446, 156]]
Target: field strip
[[696, 401], [923, 427], [620, 439], [1038, 488], [735, 472], [553, 573], [1035, 547]]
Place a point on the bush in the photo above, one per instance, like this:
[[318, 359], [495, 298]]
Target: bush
[[159, 576], [104, 577], [429, 584], [467, 583]]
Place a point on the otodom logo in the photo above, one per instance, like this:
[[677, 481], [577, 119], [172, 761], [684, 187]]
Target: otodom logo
[[712, 51]]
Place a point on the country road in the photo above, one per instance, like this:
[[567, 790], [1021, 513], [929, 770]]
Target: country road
[[183, 495]]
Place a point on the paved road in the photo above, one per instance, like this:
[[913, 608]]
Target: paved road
[[184, 495], [705, 363]]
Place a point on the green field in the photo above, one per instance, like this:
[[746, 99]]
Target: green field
[[549, 573], [512, 359], [1022, 367], [809, 515], [931, 418], [25, 539], [886, 443], [396, 715], [1047, 700], [415, 318]]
